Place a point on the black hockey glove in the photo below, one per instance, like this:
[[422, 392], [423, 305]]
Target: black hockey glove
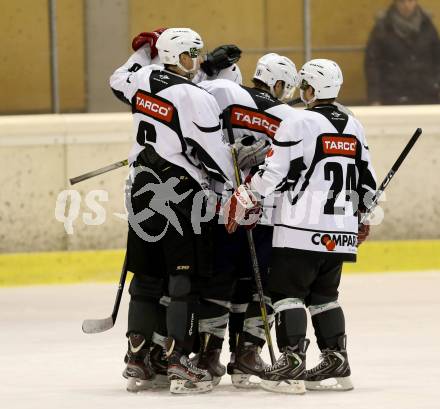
[[220, 58]]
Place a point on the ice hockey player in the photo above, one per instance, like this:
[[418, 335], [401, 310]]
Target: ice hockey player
[[255, 116], [220, 63], [321, 160], [179, 147]]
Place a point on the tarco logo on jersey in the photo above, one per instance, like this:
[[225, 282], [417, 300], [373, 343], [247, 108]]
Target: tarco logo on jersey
[[254, 121], [338, 145], [154, 107], [333, 240]]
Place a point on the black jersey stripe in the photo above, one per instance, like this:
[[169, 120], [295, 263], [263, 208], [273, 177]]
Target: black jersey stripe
[[263, 99], [337, 118], [286, 144], [208, 129], [207, 161], [314, 231], [120, 95]]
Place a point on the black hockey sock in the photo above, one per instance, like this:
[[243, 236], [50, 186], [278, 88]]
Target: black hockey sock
[[236, 320], [213, 320], [329, 326], [161, 327], [142, 316], [182, 322], [208, 342], [291, 326]]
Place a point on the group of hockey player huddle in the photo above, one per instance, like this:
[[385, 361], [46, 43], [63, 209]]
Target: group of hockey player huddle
[[189, 286]]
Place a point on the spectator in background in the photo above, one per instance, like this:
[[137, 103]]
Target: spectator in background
[[402, 60]]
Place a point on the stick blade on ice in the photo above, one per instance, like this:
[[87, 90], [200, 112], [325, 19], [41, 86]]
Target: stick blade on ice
[[96, 326]]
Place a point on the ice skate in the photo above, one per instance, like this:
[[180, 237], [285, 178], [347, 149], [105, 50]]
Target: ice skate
[[138, 372], [185, 377], [159, 363], [246, 363], [333, 372], [287, 375], [209, 359]]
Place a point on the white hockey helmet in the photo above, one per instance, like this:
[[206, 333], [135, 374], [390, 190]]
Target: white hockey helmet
[[323, 75], [274, 67], [175, 41]]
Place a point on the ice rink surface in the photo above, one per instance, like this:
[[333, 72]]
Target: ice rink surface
[[47, 362]]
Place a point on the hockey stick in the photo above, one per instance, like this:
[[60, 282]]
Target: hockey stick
[[250, 237], [390, 175], [99, 171], [104, 324]]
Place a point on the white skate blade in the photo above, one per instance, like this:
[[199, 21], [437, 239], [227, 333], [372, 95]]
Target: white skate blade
[[135, 385], [243, 381], [331, 384], [183, 386], [294, 387]]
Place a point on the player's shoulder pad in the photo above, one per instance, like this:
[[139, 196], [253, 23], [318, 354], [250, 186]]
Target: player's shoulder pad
[[262, 99], [306, 115], [219, 83], [151, 67], [357, 124], [305, 119], [292, 123], [282, 111], [161, 79], [221, 89]]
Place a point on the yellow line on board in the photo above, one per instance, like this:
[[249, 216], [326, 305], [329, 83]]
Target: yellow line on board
[[395, 256], [64, 267], [105, 265]]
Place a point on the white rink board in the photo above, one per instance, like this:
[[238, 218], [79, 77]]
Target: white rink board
[[47, 362], [70, 144]]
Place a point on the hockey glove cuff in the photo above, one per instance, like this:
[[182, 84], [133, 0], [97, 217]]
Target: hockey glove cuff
[[149, 38], [363, 232], [241, 208]]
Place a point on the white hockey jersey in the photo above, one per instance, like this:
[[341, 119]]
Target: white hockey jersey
[[320, 164], [231, 73], [255, 114], [176, 117]]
